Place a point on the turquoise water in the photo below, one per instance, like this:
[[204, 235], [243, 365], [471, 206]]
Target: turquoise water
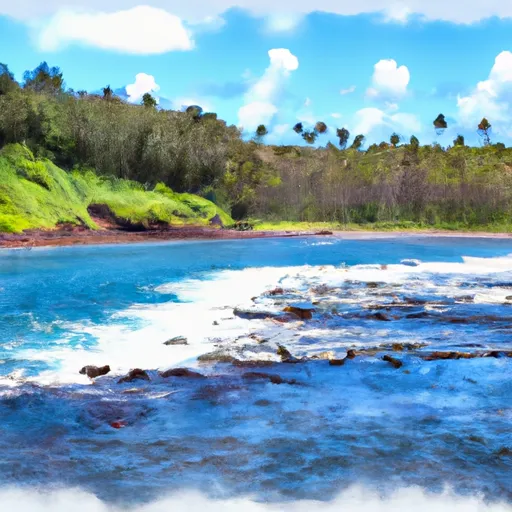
[[428, 424]]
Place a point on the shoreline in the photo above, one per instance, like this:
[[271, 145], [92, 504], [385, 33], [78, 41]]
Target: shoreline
[[79, 236]]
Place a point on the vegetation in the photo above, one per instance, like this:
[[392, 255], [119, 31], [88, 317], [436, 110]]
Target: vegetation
[[65, 152], [34, 193]]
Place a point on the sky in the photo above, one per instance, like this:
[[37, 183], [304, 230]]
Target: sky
[[372, 66]]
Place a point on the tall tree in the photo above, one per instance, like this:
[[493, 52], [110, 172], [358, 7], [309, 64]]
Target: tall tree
[[7, 82], [358, 142], [44, 79], [484, 130], [394, 139], [440, 124], [459, 141], [148, 101], [414, 142], [195, 111], [310, 136], [261, 132], [320, 127], [108, 93], [298, 128], [343, 135]]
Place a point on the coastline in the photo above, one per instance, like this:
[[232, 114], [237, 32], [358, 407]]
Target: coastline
[[78, 236]]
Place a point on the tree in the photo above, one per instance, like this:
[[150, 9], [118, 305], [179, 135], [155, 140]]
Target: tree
[[440, 124], [358, 142], [7, 82], [108, 93], [459, 141], [414, 142], [320, 127], [148, 101], [195, 111], [484, 130], [394, 139], [310, 136], [261, 132], [298, 128], [343, 135], [44, 79]]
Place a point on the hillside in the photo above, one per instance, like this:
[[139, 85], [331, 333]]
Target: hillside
[[35, 193]]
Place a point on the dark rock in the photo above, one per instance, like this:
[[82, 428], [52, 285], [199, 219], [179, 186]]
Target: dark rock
[[395, 362], [263, 403], [216, 221], [418, 316], [397, 347], [219, 356], [380, 316], [439, 356], [274, 379], [351, 354], [178, 340], [324, 232], [504, 452], [215, 322], [411, 263], [252, 364], [509, 297], [136, 374], [304, 312], [182, 372], [336, 362], [276, 291], [286, 356], [94, 371]]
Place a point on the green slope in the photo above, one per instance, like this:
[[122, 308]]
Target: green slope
[[37, 194]]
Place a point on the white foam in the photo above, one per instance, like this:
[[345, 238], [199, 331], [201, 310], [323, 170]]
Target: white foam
[[137, 341], [356, 499]]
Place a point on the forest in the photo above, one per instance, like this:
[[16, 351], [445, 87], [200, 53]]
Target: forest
[[395, 184]]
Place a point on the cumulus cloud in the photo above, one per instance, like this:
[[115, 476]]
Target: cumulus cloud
[[377, 125], [143, 84], [349, 90], [259, 107], [284, 22], [140, 30], [195, 10], [491, 98], [389, 80]]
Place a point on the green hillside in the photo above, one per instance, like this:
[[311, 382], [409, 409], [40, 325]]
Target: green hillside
[[35, 193]]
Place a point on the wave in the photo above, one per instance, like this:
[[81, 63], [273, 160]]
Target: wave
[[355, 499]]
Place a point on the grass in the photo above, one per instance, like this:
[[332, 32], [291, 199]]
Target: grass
[[36, 194], [377, 226]]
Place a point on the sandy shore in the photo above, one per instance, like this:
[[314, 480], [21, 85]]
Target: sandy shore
[[76, 236]]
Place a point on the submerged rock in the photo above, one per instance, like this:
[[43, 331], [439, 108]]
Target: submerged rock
[[254, 313], [94, 371], [274, 379], [351, 354], [411, 263], [136, 374], [336, 362], [178, 340], [380, 316], [395, 362], [286, 356], [182, 372], [439, 356], [303, 311]]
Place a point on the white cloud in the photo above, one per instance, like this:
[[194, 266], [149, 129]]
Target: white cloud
[[194, 10], [377, 125], [143, 83], [349, 90], [260, 100], [389, 80], [491, 98], [335, 115], [398, 12], [307, 102], [140, 30], [184, 102], [283, 22]]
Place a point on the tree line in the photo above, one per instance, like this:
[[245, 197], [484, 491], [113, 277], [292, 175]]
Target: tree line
[[195, 151]]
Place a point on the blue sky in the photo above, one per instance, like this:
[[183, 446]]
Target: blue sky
[[369, 67]]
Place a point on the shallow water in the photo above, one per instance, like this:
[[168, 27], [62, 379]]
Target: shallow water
[[428, 424]]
